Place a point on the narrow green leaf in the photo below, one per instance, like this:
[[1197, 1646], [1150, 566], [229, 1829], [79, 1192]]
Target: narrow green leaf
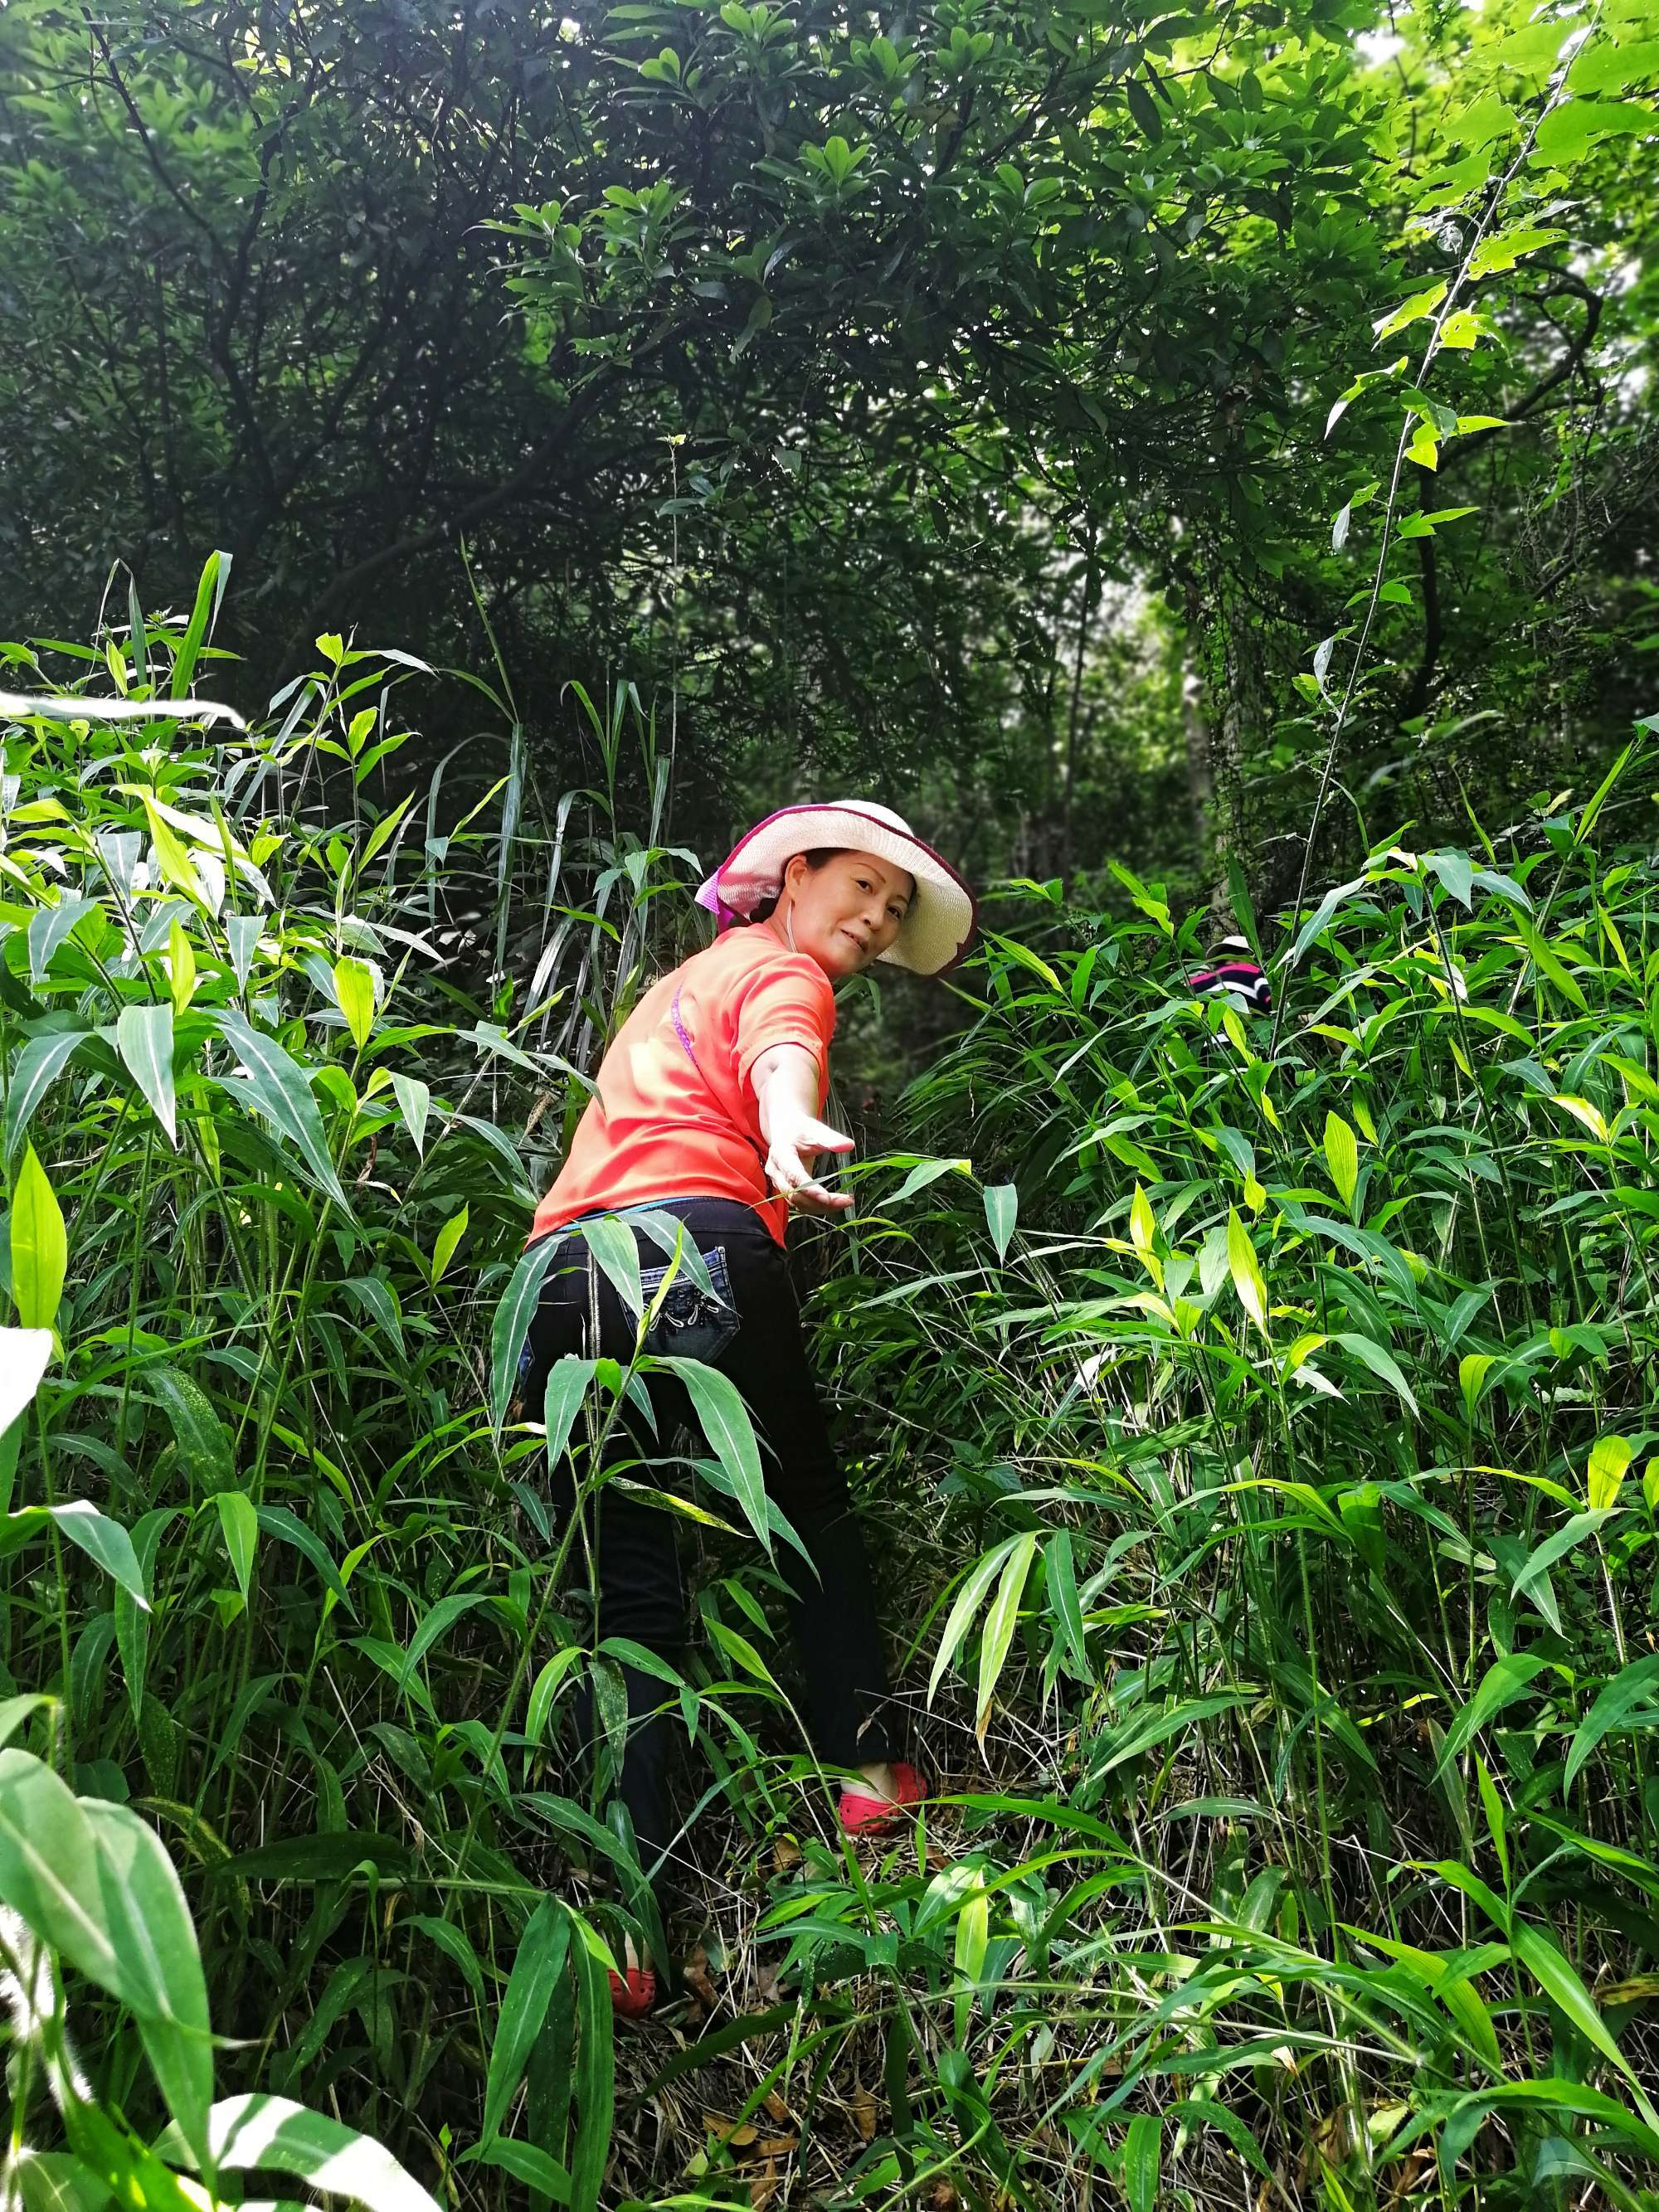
[[1632, 1695], [1001, 1212], [443, 1250], [537, 1968], [1247, 1275], [143, 1038], [731, 1433], [239, 1524], [1504, 1680], [1000, 1621], [512, 1323], [39, 1246], [1143, 2158]]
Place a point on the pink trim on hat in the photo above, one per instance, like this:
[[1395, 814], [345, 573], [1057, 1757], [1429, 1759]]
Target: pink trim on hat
[[711, 897]]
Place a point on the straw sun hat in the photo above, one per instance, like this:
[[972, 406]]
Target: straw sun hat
[[936, 929]]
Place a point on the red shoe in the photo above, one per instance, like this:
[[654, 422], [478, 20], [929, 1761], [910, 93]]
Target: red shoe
[[631, 1999], [861, 1814]]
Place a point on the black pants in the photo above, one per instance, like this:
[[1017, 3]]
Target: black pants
[[752, 1333]]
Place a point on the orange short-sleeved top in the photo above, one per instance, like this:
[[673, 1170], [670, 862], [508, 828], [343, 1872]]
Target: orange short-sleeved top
[[675, 1114]]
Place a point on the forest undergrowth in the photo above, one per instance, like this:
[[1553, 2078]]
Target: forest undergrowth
[[1251, 1416]]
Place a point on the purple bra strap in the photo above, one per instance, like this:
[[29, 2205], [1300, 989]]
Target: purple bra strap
[[681, 1032]]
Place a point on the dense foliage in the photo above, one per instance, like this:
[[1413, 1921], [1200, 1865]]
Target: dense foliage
[[929, 400], [1204, 462], [1257, 1429]]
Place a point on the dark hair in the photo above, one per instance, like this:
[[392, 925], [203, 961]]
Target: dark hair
[[814, 860]]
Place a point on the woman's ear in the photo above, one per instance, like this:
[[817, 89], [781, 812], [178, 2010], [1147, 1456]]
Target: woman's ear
[[795, 871]]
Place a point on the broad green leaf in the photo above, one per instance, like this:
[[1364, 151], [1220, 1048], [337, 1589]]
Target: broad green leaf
[[13, 1712], [567, 1385], [537, 1968], [105, 1543], [204, 611], [1143, 1223], [50, 927], [1410, 311], [143, 1038], [25, 1355], [1582, 1111], [354, 991], [53, 2181], [978, 1581], [512, 1323], [49, 1868], [1000, 1622], [1473, 1370], [1342, 1157], [534, 2168], [1550, 965], [545, 1690], [181, 968], [173, 856], [239, 1524], [923, 1173], [39, 1246], [278, 1088], [1568, 131], [414, 1103], [1001, 1212], [1609, 1458], [435, 1624], [150, 1926], [242, 935], [595, 2073], [1494, 256], [1155, 1724], [203, 1442], [255, 2132], [380, 1302], [1558, 1979], [278, 1521], [612, 1243], [36, 1068]]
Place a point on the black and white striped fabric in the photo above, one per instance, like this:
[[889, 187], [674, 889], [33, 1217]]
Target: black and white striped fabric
[[1233, 972]]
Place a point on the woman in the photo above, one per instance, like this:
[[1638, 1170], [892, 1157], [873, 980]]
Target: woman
[[707, 1108]]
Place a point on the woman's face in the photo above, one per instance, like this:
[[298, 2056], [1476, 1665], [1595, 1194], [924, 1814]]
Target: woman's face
[[845, 914]]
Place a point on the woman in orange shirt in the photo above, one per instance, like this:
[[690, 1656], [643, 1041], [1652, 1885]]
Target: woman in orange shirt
[[707, 1108]]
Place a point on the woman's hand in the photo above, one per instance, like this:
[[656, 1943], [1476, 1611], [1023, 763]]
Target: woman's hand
[[785, 1081]]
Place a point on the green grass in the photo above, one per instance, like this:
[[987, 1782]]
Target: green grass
[[1256, 1439]]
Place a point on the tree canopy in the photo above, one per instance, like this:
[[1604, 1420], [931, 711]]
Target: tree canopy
[[885, 385]]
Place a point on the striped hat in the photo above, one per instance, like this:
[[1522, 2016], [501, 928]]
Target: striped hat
[[1233, 973]]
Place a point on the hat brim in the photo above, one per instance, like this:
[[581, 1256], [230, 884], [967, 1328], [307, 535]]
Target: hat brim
[[938, 928]]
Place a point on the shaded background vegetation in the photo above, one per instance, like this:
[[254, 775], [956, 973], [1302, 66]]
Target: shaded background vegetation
[[936, 403], [1201, 465]]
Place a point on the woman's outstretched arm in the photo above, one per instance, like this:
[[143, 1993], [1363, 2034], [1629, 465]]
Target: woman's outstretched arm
[[786, 1080]]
